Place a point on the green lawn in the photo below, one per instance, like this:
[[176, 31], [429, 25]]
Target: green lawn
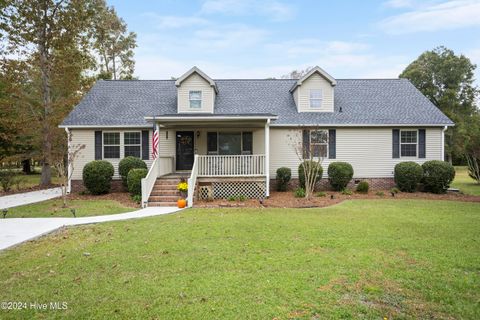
[[362, 259], [53, 208], [464, 182], [28, 181]]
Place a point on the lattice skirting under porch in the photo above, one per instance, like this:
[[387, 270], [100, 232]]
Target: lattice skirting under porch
[[225, 188]]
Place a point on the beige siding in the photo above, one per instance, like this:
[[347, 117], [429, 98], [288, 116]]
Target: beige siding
[[302, 94], [368, 150], [195, 82], [87, 137]]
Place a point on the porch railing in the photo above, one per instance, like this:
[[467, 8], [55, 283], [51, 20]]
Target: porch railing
[[160, 166], [231, 165], [192, 181]]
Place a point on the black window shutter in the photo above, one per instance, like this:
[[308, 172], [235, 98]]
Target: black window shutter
[[421, 143], [332, 144], [396, 143], [145, 145], [98, 145], [212, 142], [306, 144]]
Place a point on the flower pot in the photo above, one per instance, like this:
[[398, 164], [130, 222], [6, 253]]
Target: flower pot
[[181, 203]]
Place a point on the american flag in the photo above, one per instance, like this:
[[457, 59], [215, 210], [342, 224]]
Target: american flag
[[155, 143]]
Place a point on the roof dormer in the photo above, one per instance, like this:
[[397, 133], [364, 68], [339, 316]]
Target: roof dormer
[[195, 92], [314, 91]]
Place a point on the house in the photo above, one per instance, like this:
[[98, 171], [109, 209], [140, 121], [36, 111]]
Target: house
[[229, 136]]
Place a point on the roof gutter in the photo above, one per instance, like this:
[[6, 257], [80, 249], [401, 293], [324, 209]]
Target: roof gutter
[[361, 125], [190, 118], [90, 126]]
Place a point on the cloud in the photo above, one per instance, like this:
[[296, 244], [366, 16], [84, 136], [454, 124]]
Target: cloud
[[272, 9], [176, 22], [453, 14], [399, 4]]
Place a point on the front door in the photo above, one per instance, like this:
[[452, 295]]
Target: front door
[[185, 150]]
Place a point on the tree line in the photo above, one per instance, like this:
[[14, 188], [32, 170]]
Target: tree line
[[52, 51]]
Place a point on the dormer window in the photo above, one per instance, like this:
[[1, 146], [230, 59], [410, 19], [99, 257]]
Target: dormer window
[[195, 97], [316, 98]]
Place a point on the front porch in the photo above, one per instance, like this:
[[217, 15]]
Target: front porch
[[220, 158]]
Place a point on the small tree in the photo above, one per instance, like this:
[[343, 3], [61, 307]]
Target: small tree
[[310, 156], [61, 166]]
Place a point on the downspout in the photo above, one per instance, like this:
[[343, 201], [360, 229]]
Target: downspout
[[443, 142], [69, 168]]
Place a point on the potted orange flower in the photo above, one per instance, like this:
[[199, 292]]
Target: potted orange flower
[[183, 188]]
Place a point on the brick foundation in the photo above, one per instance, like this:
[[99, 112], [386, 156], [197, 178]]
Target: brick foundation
[[323, 184], [77, 186]]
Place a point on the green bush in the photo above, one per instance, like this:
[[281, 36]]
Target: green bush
[[321, 194], [437, 176], [339, 175], [299, 193], [347, 192], [408, 175], [284, 175], [97, 176], [134, 180], [309, 164], [380, 193], [7, 179], [363, 187], [127, 164]]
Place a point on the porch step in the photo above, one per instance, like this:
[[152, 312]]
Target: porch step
[[163, 198], [161, 204], [165, 192], [164, 187]]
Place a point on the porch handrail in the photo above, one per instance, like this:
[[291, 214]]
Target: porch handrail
[[231, 165], [160, 166], [192, 181]]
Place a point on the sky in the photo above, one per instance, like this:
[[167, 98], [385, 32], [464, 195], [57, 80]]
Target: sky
[[270, 38]]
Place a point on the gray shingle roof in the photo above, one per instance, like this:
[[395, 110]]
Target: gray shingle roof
[[363, 102]]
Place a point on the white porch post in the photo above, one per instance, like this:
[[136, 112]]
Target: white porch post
[[157, 127], [267, 158]]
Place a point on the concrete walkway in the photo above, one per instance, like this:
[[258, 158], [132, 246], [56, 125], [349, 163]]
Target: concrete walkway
[[20, 199], [17, 230]]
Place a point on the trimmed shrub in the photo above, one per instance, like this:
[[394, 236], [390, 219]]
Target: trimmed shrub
[[301, 172], [134, 180], [127, 164], [340, 174], [97, 176], [363, 187], [7, 179], [437, 176], [408, 175], [284, 175]]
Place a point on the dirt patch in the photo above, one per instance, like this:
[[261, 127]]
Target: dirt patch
[[122, 197], [288, 200]]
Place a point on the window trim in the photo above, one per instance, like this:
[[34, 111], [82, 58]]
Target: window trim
[[112, 145], [400, 144], [190, 99], [315, 99], [317, 143], [140, 145]]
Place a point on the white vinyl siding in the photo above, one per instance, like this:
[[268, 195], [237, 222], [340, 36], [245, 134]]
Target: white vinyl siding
[[302, 94], [195, 83], [368, 150], [87, 137]]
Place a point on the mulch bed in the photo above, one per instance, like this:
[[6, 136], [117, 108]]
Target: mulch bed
[[122, 197], [288, 200]]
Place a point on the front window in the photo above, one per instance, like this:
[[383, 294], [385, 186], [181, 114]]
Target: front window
[[408, 143], [195, 98], [132, 144], [111, 145], [319, 143], [316, 98], [230, 143]]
